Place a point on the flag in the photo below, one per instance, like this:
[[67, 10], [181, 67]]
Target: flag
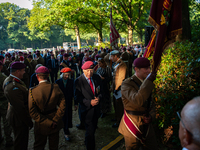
[[114, 35], [151, 45], [166, 17]]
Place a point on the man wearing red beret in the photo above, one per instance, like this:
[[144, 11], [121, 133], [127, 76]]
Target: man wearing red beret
[[46, 107], [88, 95], [139, 111], [18, 116]]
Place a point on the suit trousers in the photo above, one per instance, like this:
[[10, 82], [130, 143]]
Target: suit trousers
[[21, 134], [41, 140], [119, 109], [91, 126], [132, 143]]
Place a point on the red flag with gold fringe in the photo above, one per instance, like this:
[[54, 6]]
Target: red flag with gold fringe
[[166, 17]]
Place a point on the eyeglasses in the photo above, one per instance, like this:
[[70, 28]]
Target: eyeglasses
[[182, 122]]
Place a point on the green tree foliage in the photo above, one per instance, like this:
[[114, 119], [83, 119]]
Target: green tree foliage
[[195, 20], [177, 82]]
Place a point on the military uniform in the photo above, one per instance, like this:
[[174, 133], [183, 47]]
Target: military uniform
[[18, 117], [3, 112], [125, 57], [44, 114], [134, 96], [26, 76], [119, 75], [40, 60]]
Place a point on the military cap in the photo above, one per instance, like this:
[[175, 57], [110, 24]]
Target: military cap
[[65, 70], [50, 52], [97, 56], [17, 65], [141, 62], [42, 69], [25, 53], [95, 49], [88, 65], [88, 59], [37, 53], [62, 50], [66, 55], [124, 48], [114, 52]]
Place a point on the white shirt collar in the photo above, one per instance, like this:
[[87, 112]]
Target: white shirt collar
[[14, 77], [184, 148], [43, 81], [139, 78]]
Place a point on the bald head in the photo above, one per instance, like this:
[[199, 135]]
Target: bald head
[[190, 116]]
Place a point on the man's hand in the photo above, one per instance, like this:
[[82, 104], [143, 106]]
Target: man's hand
[[75, 107], [53, 125], [152, 76], [147, 119], [95, 101]]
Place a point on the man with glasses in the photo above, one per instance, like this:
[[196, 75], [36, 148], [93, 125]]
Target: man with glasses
[[189, 126], [88, 95]]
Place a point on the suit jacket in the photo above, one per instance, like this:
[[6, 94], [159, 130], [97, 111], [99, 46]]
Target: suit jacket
[[17, 94], [40, 60], [134, 98], [119, 74], [84, 94], [37, 103], [50, 65]]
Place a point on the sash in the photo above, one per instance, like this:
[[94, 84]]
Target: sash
[[133, 129]]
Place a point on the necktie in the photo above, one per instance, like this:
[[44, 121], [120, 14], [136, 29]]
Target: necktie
[[91, 85]]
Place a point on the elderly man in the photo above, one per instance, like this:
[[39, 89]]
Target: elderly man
[[17, 94], [88, 95], [139, 111], [189, 131], [119, 75], [46, 107]]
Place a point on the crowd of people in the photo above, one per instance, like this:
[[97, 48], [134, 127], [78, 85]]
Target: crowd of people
[[41, 86]]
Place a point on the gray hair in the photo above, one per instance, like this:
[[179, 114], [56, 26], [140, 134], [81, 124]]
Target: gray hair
[[37, 66]]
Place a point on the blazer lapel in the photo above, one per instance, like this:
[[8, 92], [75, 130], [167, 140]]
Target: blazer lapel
[[86, 85]]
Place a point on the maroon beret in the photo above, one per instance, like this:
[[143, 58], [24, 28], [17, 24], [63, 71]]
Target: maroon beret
[[42, 69], [141, 62], [50, 52], [17, 65], [66, 55], [88, 65], [97, 56], [25, 53], [62, 50], [124, 48]]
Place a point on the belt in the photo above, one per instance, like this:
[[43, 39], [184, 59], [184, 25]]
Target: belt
[[137, 113], [49, 112]]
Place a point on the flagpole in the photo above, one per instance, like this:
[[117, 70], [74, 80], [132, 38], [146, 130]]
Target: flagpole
[[110, 40]]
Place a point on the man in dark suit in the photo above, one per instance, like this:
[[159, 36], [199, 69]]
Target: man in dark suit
[[88, 95], [53, 67]]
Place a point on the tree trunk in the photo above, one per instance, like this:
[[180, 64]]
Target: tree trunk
[[186, 34], [78, 37], [119, 41], [100, 40], [130, 35]]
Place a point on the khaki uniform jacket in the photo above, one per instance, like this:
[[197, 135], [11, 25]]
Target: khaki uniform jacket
[[40, 60], [135, 99], [17, 95], [119, 74], [40, 96]]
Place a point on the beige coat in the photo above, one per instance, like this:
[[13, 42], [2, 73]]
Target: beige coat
[[119, 74], [40, 95]]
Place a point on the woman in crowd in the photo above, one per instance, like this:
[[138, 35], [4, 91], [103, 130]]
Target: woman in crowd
[[106, 78], [66, 84]]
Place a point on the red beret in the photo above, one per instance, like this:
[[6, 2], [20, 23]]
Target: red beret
[[21, 58], [88, 65], [42, 69], [17, 65], [65, 70], [141, 62]]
